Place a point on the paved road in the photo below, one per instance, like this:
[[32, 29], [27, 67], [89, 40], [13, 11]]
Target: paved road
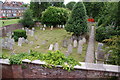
[[90, 50]]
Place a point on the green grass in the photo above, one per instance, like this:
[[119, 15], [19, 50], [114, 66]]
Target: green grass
[[9, 21], [57, 35]]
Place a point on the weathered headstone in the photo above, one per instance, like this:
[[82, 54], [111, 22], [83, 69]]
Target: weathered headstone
[[26, 41], [79, 49], [43, 29], [75, 43], [20, 41], [51, 28], [33, 29], [84, 40], [31, 42], [100, 45], [56, 46], [64, 43], [32, 33], [51, 47], [70, 48], [23, 29]]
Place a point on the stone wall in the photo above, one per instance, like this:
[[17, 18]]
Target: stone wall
[[36, 70], [9, 28]]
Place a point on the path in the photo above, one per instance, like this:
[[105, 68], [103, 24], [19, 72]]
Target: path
[[90, 50]]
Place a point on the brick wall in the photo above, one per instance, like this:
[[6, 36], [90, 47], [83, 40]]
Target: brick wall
[[37, 71], [10, 28]]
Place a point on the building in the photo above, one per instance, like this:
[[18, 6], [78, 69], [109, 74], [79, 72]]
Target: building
[[11, 9]]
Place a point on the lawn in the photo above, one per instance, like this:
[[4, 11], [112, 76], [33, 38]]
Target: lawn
[[51, 37], [9, 21]]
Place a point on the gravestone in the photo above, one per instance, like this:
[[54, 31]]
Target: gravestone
[[23, 40], [26, 41], [79, 49], [70, 48], [100, 45], [32, 33], [64, 43], [20, 41], [69, 41], [44, 25], [23, 29], [13, 41], [56, 46], [84, 40], [63, 26], [80, 42], [31, 42], [100, 53], [51, 28], [75, 43], [43, 29], [51, 47], [33, 29]]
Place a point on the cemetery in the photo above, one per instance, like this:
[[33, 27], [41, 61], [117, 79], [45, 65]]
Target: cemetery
[[62, 41]]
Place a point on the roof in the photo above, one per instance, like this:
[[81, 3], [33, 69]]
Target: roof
[[13, 8]]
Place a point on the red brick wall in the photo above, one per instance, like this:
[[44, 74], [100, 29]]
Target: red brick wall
[[37, 71], [10, 28]]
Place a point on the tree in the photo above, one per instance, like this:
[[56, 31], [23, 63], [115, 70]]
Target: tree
[[54, 16], [93, 9], [118, 16], [58, 4], [77, 22], [27, 20], [37, 8], [70, 5]]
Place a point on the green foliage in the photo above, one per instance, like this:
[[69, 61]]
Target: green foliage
[[114, 46], [37, 8], [17, 59], [51, 59], [105, 33], [118, 16], [27, 20], [70, 5], [77, 22], [106, 16], [19, 33], [54, 16], [93, 8], [58, 4]]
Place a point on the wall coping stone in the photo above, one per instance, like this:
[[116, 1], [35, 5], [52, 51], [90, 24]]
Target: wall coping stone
[[84, 65]]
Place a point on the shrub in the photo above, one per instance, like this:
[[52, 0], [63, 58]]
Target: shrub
[[77, 22], [54, 16], [19, 33], [105, 33]]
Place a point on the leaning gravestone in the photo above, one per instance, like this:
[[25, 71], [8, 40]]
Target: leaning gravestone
[[70, 48], [75, 43], [51, 47], [79, 49], [56, 47]]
